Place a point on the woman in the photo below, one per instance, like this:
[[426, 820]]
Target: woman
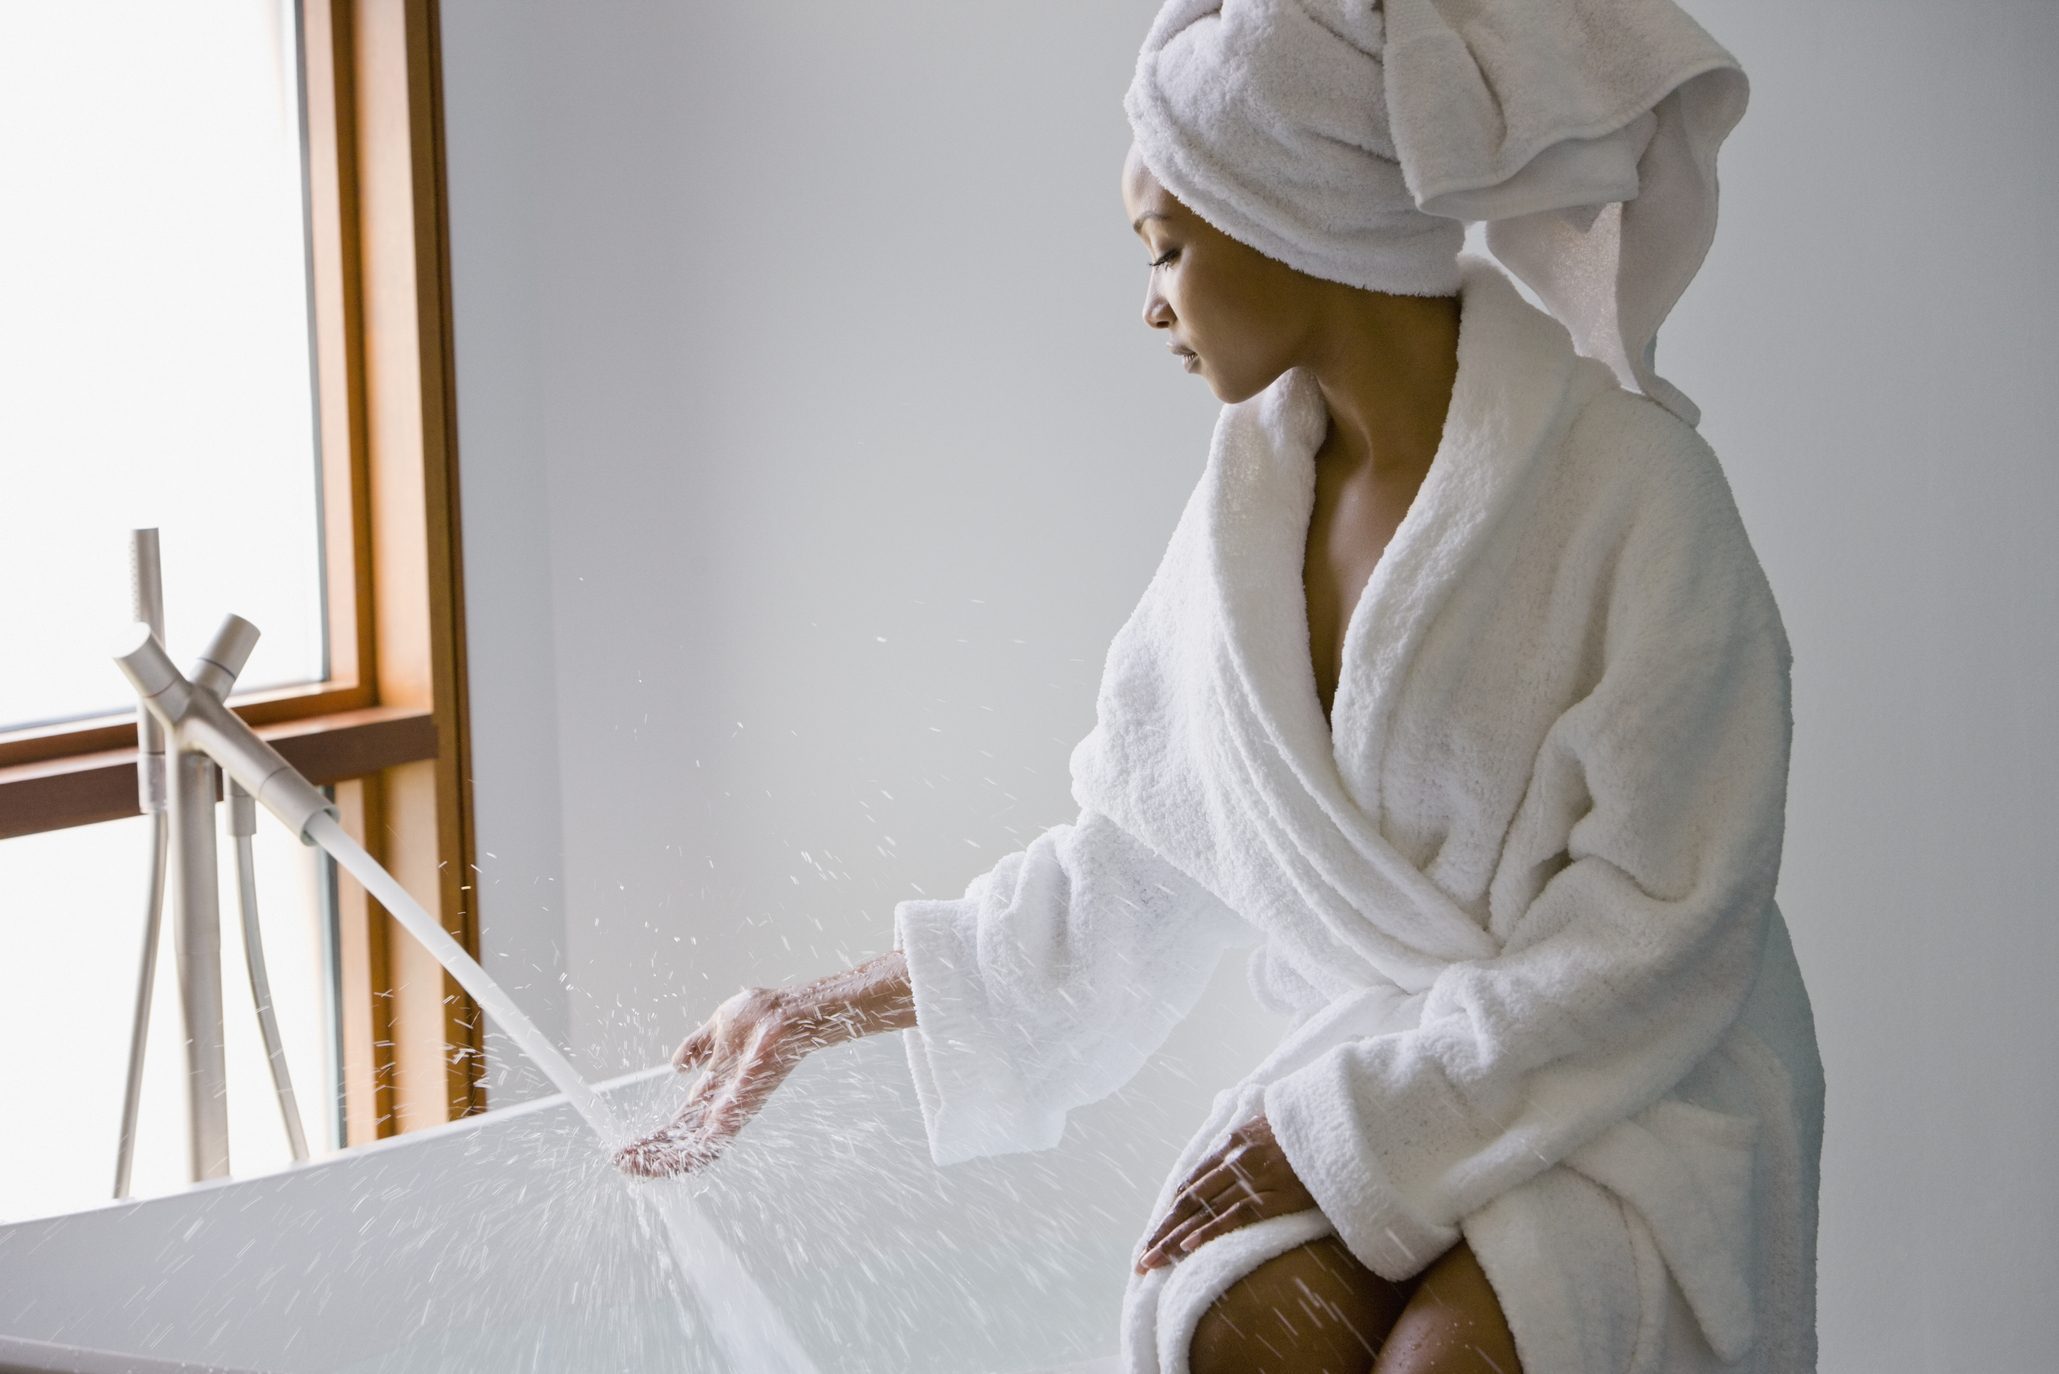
[[1459, 694]]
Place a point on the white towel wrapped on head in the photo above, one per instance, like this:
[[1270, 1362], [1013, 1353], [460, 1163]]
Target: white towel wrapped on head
[[1353, 139]]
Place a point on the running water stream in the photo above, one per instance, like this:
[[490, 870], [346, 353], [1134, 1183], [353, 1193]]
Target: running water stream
[[746, 1324]]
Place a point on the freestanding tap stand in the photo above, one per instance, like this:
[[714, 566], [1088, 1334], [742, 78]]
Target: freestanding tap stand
[[197, 909], [146, 593], [186, 718]]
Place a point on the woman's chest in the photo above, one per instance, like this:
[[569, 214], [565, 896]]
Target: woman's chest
[[1354, 519]]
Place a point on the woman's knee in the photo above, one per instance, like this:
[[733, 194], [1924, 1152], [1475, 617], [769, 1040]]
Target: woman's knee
[[1452, 1324], [1312, 1310]]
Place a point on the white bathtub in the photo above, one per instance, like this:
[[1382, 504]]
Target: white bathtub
[[504, 1243]]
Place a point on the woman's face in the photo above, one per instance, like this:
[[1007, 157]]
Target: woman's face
[[1230, 313]]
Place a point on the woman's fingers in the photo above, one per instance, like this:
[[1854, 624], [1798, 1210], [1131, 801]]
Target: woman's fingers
[[1198, 1192], [733, 1022], [1166, 1247], [1223, 1184], [1243, 1214], [747, 1048], [694, 1050], [677, 1146], [662, 1155], [712, 1086], [1156, 1252], [735, 1087], [674, 1148], [748, 1089], [1227, 1189], [1185, 1211], [1198, 1227]]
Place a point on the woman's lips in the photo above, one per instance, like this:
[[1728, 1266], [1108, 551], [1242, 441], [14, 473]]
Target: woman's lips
[[1187, 356]]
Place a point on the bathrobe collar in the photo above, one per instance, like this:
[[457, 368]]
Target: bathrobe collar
[[1515, 364], [1210, 740]]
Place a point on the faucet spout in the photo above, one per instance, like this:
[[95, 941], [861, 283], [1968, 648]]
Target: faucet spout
[[196, 720], [160, 685]]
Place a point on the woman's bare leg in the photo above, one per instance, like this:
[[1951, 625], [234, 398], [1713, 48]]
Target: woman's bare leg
[[1312, 1310], [1453, 1323]]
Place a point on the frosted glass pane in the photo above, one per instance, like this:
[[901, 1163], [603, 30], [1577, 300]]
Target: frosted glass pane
[[71, 927], [154, 342]]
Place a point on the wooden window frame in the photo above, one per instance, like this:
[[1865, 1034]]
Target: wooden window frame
[[390, 726]]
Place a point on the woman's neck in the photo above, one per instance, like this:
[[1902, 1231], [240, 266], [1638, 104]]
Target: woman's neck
[[1386, 366]]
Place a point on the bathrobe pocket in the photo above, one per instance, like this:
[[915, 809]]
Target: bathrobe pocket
[[1688, 1171]]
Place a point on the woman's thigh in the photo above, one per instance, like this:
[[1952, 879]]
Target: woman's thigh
[[1452, 1323], [1311, 1310]]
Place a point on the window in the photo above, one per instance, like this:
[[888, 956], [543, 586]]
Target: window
[[226, 287], [157, 349]]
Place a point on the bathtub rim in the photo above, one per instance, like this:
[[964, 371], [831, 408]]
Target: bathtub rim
[[343, 1156], [16, 1354]]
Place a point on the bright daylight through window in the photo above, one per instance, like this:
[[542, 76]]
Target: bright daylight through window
[[155, 350]]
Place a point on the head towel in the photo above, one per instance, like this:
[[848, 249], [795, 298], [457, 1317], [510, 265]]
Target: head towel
[[1354, 139]]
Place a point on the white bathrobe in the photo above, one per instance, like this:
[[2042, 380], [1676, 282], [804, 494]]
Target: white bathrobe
[[1519, 897]]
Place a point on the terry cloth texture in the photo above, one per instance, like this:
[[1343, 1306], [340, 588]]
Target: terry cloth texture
[[1354, 139], [1518, 893]]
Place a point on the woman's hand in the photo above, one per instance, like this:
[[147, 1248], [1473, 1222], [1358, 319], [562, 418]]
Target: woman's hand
[[749, 1046], [752, 1042], [1247, 1179]]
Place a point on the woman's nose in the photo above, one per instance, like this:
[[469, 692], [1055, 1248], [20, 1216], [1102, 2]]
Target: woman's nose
[[1157, 313]]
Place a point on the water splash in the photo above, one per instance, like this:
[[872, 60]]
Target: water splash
[[745, 1324]]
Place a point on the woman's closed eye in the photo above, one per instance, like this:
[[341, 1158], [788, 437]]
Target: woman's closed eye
[[1167, 257]]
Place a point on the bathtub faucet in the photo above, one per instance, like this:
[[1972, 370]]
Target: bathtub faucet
[[200, 739]]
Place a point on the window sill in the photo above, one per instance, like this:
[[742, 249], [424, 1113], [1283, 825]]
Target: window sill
[[87, 788]]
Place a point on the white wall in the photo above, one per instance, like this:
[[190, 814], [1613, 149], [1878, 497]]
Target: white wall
[[774, 421], [1875, 347], [812, 450], [502, 356]]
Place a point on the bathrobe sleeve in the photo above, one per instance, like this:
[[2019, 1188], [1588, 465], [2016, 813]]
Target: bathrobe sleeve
[[1662, 790], [1049, 983]]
